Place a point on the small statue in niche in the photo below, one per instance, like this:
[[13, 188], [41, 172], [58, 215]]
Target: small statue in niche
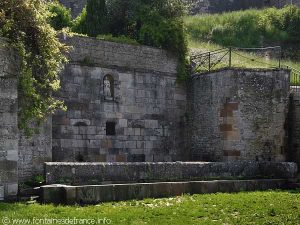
[[107, 88]]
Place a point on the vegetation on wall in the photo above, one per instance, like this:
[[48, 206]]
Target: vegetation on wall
[[25, 24], [250, 28], [157, 23], [61, 16]]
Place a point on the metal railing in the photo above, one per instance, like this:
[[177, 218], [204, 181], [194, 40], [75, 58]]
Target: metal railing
[[234, 57], [294, 79]]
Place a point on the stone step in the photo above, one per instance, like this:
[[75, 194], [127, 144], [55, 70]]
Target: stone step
[[94, 194]]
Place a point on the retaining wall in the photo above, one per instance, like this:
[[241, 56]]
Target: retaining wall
[[101, 173], [60, 194]]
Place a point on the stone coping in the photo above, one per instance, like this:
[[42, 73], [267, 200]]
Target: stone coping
[[103, 173]]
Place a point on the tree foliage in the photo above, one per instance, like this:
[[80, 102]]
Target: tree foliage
[[158, 23], [61, 16], [250, 28], [24, 23], [96, 17]]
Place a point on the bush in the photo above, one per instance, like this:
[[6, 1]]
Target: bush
[[158, 23], [250, 28], [79, 24], [118, 39], [24, 23], [96, 17], [61, 16]]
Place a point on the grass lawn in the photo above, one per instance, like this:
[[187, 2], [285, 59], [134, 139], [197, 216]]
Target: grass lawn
[[270, 207]]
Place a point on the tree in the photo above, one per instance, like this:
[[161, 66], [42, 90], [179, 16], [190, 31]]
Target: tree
[[61, 16], [96, 16], [25, 24]]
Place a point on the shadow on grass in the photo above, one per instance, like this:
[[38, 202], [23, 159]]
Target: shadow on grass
[[11, 206]]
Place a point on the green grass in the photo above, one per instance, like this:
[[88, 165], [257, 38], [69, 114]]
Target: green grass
[[120, 39], [249, 28], [270, 207], [237, 61], [197, 47]]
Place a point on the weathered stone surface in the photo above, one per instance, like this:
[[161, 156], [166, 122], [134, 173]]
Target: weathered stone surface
[[61, 194], [34, 152], [9, 68], [147, 108], [90, 51], [99, 173], [236, 114], [293, 128], [1, 193]]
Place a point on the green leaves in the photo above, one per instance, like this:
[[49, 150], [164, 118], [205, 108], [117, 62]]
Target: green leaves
[[157, 23], [25, 24], [61, 16]]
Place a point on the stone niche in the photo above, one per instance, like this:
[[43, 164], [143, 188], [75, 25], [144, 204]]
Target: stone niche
[[236, 114]]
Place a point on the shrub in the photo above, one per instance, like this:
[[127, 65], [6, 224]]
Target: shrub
[[158, 23], [61, 16], [24, 23], [96, 17], [79, 24], [250, 28]]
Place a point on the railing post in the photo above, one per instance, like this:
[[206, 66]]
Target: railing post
[[209, 63], [280, 57], [230, 57]]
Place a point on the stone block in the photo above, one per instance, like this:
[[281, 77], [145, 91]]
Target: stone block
[[231, 135], [226, 127], [123, 123], [131, 144], [11, 189], [151, 124], [1, 192], [232, 153], [231, 106], [100, 158], [121, 158], [226, 113]]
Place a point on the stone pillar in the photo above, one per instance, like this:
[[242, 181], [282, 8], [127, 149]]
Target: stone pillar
[[9, 67]]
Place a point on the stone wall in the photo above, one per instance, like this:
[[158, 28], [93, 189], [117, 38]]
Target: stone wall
[[9, 67], [146, 108], [107, 173], [35, 151], [294, 127], [238, 114]]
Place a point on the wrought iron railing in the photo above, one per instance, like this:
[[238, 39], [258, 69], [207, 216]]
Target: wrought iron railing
[[295, 79], [269, 57], [235, 57]]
